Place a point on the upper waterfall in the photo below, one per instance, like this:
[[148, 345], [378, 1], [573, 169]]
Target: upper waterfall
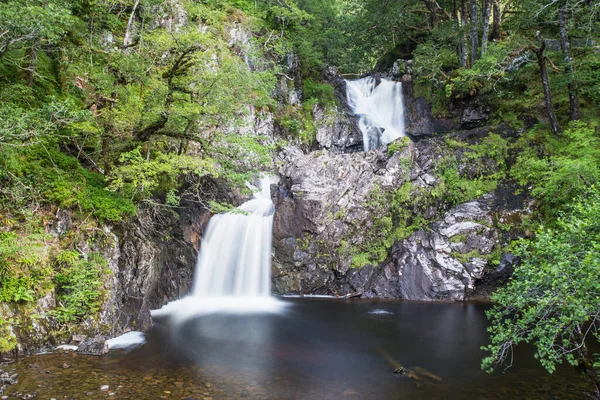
[[235, 256], [379, 107]]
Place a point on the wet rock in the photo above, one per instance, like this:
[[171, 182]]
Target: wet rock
[[170, 15], [94, 346], [7, 378], [63, 222], [337, 131], [474, 116], [321, 210], [78, 338], [239, 41], [420, 121]]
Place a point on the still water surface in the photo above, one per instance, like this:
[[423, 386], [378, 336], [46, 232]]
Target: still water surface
[[314, 349]]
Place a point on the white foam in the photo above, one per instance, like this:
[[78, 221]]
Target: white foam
[[192, 306], [235, 256], [67, 347], [380, 312], [126, 341]]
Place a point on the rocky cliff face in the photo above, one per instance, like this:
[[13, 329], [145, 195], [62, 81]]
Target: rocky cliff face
[[157, 257], [151, 261], [323, 209], [330, 204]]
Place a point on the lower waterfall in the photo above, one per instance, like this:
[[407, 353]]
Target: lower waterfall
[[235, 256], [233, 270]]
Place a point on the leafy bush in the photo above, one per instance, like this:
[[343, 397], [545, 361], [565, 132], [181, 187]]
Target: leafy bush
[[79, 285], [139, 178], [552, 299], [486, 71], [559, 168], [24, 267], [322, 92]]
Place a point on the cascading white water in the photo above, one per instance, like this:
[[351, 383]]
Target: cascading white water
[[233, 270], [235, 257], [380, 109]]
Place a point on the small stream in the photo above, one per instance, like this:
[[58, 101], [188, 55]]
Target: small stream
[[314, 349]]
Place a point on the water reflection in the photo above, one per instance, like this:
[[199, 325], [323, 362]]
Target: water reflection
[[339, 343], [314, 349]]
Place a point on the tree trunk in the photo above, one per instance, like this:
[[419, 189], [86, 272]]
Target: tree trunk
[[574, 112], [461, 50], [464, 22], [106, 153], [31, 66], [487, 5], [128, 37], [431, 6], [496, 20], [586, 364], [474, 32], [539, 52]]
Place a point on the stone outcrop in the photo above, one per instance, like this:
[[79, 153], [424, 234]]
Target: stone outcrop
[[337, 131], [445, 260], [323, 208]]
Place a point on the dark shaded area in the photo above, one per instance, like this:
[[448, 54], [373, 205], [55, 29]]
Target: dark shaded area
[[315, 349]]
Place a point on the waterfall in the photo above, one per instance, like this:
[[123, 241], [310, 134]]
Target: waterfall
[[380, 110], [235, 255], [233, 270]]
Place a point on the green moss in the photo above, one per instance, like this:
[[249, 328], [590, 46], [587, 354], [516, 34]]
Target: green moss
[[468, 257], [398, 145], [458, 238], [8, 341], [53, 177]]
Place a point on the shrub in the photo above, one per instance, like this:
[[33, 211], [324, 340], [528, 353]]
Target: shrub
[[552, 299]]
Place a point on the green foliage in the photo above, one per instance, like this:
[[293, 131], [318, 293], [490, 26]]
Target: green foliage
[[24, 267], [139, 178], [588, 65], [397, 146], [552, 300], [298, 124], [28, 270], [218, 208], [488, 70], [456, 188], [79, 285], [321, 92], [397, 220], [559, 168]]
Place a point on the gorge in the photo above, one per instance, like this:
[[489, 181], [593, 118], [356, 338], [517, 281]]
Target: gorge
[[299, 199]]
